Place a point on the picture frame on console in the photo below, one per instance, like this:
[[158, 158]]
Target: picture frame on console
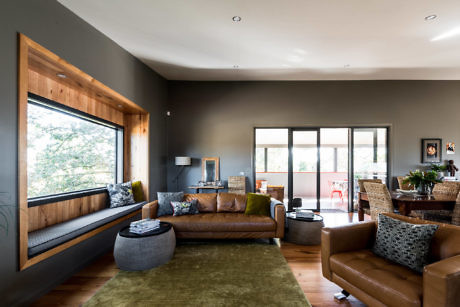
[[431, 150]]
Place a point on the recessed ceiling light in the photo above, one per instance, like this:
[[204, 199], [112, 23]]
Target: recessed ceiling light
[[61, 75], [236, 18], [430, 17]]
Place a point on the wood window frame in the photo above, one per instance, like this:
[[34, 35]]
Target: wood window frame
[[80, 91]]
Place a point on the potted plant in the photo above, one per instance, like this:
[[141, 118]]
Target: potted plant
[[439, 169], [422, 181]]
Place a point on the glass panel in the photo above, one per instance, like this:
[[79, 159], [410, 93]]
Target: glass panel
[[334, 168], [272, 162], [305, 158], [66, 153], [370, 154]]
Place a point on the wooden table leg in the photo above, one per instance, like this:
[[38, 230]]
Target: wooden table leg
[[360, 210], [403, 208]]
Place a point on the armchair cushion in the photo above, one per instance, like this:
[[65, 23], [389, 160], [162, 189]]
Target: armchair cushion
[[404, 243], [389, 283]]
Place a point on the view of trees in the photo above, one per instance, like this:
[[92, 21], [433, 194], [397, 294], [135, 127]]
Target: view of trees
[[66, 153]]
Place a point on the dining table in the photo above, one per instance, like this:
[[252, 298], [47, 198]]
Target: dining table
[[405, 203]]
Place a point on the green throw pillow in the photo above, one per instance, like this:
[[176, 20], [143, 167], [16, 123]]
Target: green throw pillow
[[258, 204], [137, 191]]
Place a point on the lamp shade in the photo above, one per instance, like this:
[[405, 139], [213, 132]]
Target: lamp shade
[[183, 161]]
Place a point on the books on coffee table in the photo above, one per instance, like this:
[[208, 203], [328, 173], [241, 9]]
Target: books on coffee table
[[143, 226], [306, 214]]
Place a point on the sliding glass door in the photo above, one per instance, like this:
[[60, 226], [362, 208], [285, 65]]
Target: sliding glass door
[[370, 155], [313, 167], [305, 164]]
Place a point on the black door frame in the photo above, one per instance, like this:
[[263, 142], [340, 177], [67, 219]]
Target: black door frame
[[291, 165]]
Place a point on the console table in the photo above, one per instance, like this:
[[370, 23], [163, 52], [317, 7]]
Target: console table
[[206, 187]]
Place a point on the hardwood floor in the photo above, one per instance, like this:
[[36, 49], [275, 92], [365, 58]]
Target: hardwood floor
[[304, 261]]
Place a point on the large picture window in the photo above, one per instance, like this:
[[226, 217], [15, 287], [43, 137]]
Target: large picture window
[[68, 151]]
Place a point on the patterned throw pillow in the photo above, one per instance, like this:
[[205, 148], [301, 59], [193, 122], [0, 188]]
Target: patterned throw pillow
[[164, 202], [121, 194], [404, 243], [184, 207]]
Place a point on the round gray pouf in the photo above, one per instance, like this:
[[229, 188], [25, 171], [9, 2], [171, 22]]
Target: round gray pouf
[[144, 252]]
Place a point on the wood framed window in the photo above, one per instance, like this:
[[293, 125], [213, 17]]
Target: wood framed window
[[45, 77]]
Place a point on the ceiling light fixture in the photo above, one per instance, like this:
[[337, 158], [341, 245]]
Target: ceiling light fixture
[[430, 17], [236, 18], [346, 66], [448, 34], [61, 75], [235, 66]]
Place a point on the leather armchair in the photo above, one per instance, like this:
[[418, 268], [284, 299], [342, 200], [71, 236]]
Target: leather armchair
[[347, 260]]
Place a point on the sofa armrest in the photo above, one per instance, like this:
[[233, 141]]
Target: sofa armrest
[[150, 210], [346, 238], [441, 283]]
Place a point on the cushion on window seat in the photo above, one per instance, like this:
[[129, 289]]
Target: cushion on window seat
[[44, 239]]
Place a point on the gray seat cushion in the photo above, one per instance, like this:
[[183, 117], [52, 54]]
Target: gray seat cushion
[[47, 238]]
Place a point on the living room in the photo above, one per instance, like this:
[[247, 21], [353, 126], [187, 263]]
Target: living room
[[299, 96]]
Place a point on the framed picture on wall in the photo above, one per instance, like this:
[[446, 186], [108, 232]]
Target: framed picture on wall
[[431, 150]]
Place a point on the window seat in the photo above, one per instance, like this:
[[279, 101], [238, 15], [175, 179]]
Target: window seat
[[44, 239]]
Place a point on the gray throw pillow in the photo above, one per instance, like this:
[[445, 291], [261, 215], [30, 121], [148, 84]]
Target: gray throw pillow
[[184, 207], [404, 243], [121, 194], [164, 202]]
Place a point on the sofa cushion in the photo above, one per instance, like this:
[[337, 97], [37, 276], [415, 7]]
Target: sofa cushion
[[120, 194], [207, 202], [184, 207], [390, 283], [258, 204], [404, 243], [164, 202], [220, 222], [47, 238], [138, 193], [231, 202]]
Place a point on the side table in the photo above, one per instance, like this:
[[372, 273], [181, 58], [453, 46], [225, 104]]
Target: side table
[[137, 252], [303, 231]]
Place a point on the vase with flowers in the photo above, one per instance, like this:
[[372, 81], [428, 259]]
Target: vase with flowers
[[422, 181]]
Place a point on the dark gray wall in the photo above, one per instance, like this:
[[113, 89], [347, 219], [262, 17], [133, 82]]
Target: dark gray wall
[[59, 30], [217, 118]]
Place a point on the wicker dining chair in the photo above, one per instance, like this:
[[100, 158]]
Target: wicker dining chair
[[379, 199], [448, 187], [361, 189], [402, 185], [444, 216], [362, 181], [441, 216]]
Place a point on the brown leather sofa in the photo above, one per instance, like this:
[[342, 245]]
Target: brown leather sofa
[[348, 261], [222, 217]]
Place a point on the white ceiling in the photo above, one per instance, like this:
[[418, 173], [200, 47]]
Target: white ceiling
[[283, 40]]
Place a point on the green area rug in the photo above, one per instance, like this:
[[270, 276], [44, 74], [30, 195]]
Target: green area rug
[[218, 274]]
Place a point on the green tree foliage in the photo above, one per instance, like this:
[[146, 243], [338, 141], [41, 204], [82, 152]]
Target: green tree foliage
[[66, 153]]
